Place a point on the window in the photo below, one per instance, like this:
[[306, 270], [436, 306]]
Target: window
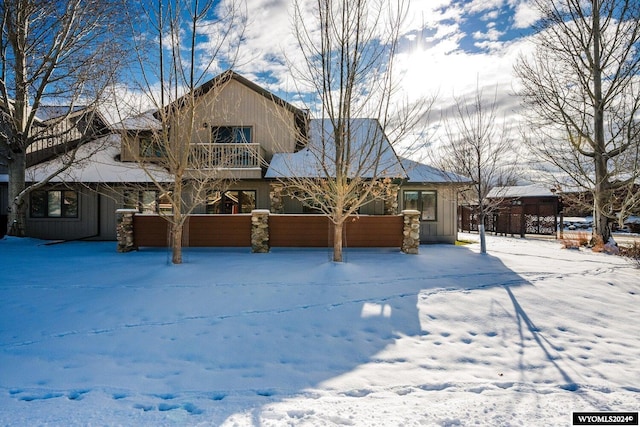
[[231, 202], [422, 201], [151, 148], [54, 204], [148, 201], [231, 134]]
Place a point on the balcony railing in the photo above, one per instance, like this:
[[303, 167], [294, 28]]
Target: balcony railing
[[226, 156]]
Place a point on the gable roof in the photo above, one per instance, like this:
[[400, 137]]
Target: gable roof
[[373, 154], [225, 77]]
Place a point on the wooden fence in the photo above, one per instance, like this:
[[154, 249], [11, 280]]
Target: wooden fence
[[284, 231]]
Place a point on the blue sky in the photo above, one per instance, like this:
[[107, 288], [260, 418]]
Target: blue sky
[[448, 46]]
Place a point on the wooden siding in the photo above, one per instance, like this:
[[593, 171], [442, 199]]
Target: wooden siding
[[4, 196], [299, 231], [284, 231], [234, 104], [150, 230], [219, 230], [444, 229], [84, 226], [200, 230]]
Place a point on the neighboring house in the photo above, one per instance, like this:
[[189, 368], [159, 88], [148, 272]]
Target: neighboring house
[[260, 136], [518, 210], [56, 130]]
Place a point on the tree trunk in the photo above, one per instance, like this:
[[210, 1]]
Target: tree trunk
[[176, 242], [601, 198], [17, 212], [483, 238], [337, 241]]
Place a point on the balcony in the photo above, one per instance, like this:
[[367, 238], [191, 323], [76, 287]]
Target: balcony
[[243, 159]]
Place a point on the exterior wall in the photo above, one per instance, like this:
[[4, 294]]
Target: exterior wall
[[234, 104], [444, 229], [4, 202], [85, 225]]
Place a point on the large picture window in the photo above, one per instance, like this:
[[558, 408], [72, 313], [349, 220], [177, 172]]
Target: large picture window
[[54, 204], [424, 202], [231, 134], [231, 202], [148, 201]]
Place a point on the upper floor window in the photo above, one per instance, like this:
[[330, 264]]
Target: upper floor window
[[424, 202], [231, 134], [54, 204], [150, 147]]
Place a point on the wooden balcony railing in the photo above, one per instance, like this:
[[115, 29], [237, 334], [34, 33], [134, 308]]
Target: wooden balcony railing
[[226, 156]]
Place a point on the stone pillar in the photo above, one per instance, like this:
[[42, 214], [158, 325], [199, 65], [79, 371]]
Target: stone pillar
[[411, 231], [124, 230], [391, 200], [276, 198], [260, 231]]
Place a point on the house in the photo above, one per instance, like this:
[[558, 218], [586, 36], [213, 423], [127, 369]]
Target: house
[[522, 209], [261, 138], [57, 131]]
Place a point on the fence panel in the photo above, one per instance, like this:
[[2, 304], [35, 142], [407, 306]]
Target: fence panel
[[220, 230], [284, 231]]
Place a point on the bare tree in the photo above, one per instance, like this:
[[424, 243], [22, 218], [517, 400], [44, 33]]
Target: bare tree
[[477, 145], [582, 91], [186, 41], [347, 50], [63, 53]]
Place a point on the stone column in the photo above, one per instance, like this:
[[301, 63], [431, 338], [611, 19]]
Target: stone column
[[260, 231], [411, 231], [124, 230], [276, 198], [391, 200]]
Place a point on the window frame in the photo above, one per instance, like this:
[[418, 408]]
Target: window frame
[[420, 204], [234, 131], [47, 201], [217, 205], [150, 148]]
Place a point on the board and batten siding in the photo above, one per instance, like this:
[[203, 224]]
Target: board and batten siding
[[235, 104], [445, 228], [85, 225]]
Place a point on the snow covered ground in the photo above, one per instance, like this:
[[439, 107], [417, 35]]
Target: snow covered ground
[[522, 336]]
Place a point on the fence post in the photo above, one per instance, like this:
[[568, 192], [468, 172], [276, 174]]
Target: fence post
[[260, 231], [411, 231], [124, 230]]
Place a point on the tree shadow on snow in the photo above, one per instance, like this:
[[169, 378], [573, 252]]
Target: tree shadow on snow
[[229, 331]]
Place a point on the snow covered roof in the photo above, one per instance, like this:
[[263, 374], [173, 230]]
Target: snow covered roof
[[143, 121], [419, 172], [532, 190], [98, 162], [373, 155]]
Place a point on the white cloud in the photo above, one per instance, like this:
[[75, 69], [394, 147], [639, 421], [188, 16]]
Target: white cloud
[[477, 6], [525, 15], [491, 34]]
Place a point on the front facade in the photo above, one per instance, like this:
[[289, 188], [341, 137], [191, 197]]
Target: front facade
[[239, 132]]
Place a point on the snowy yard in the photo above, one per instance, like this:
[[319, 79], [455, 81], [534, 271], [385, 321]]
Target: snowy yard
[[522, 336]]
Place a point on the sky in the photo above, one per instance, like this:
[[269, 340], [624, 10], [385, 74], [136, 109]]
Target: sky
[[447, 47]]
